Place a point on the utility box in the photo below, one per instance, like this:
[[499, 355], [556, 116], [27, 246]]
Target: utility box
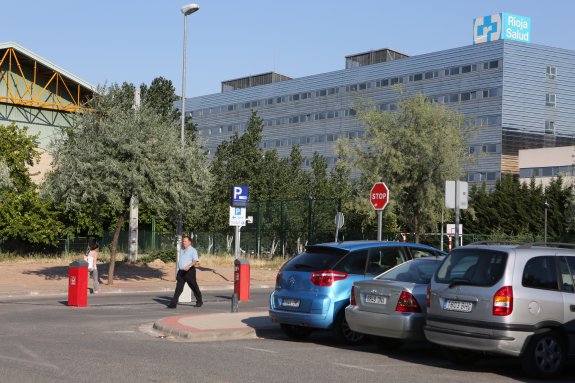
[[78, 284], [242, 279]]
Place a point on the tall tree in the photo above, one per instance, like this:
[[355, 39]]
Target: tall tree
[[116, 151], [414, 150]]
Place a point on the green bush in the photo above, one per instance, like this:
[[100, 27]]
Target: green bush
[[165, 255]]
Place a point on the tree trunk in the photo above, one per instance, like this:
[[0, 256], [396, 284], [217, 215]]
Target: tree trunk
[[416, 228], [112, 266]]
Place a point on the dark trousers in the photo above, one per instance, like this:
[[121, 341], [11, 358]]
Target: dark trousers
[[188, 277]]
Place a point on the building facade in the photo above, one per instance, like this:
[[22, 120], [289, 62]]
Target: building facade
[[518, 95], [544, 164]]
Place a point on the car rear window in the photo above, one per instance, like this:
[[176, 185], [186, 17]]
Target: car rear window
[[314, 259], [416, 271], [477, 267]]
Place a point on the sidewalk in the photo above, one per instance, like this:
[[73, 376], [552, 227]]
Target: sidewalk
[[217, 327]]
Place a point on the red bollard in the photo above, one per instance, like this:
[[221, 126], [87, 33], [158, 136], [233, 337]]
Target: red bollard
[[242, 279], [449, 243], [78, 284]]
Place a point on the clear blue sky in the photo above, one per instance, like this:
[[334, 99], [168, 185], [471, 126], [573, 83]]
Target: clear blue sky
[[105, 41]]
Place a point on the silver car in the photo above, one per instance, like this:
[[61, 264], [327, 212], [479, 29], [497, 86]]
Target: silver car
[[392, 305], [512, 300]]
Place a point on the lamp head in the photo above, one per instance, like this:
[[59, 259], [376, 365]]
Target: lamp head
[[189, 9]]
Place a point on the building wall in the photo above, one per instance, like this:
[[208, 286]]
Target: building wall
[[545, 163], [512, 116]]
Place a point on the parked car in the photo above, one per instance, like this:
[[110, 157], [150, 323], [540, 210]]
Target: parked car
[[512, 300], [392, 305], [312, 289]]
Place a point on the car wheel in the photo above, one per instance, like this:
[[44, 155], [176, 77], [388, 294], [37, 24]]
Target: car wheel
[[344, 334], [460, 357], [388, 344], [545, 355], [295, 332]]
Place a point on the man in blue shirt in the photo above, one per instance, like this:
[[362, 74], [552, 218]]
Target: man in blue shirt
[[187, 273]]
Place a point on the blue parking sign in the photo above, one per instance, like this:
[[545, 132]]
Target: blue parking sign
[[239, 196]]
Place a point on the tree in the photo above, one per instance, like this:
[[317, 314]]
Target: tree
[[5, 179], [414, 150], [115, 151]]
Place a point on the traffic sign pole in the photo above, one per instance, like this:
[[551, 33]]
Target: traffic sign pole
[[379, 224]]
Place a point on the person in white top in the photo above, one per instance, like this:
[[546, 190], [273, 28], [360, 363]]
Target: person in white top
[[92, 259]]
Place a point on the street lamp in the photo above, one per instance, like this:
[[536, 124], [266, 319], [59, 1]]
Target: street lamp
[[186, 10]]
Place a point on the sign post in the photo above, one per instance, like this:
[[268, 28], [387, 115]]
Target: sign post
[[339, 220], [456, 197], [379, 197], [238, 205]]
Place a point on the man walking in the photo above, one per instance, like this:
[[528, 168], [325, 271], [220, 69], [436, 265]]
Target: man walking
[[187, 273]]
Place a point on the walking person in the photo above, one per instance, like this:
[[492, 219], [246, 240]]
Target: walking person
[[187, 273], [92, 259]]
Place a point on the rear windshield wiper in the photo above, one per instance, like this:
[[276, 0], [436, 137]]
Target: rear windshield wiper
[[460, 282]]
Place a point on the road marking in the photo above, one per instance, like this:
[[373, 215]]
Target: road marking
[[119, 332], [262, 350], [353, 366]]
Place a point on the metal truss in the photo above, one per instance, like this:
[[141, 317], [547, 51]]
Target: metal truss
[[25, 82]]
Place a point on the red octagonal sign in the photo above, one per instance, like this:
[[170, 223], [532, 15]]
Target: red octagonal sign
[[379, 196]]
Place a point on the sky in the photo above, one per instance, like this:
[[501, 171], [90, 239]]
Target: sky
[[112, 41]]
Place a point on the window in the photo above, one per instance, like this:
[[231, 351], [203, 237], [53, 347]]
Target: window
[[385, 82], [549, 127], [476, 267], [363, 86], [396, 80], [431, 74], [321, 93], [246, 105], [331, 91], [294, 120], [270, 101], [540, 273], [416, 77], [467, 96], [489, 148], [351, 88], [468, 68], [491, 176], [453, 98], [384, 258], [454, 71], [491, 65], [295, 97], [493, 92], [471, 149], [550, 100], [353, 263], [551, 72], [305, 95], [566, 265]]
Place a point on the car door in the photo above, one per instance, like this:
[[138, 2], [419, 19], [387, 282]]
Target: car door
[[567, 270], [383, 258]]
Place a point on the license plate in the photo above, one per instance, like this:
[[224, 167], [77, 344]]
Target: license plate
[[294, 303], [459, 306], [377, 299]]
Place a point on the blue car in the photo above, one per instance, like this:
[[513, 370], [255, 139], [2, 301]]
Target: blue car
[[313, 288]]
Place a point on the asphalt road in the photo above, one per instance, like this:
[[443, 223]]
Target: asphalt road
[[43, 340]]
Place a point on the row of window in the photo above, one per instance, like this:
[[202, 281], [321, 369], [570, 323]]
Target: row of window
[[549, 171], [428, 75], [308, 140], [487, 148], [482, 176]]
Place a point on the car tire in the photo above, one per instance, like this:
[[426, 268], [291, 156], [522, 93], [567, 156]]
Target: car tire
[[388, 344], [296, 332], [345, 335], [461, 357], [545, 355]]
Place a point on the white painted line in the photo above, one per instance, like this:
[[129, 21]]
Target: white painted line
[[353, 366], [261, 350]]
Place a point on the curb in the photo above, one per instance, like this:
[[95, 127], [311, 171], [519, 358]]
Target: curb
[[171, 327]]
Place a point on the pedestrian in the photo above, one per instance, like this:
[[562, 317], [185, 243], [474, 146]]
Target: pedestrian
[[92, 259], [187, 273]]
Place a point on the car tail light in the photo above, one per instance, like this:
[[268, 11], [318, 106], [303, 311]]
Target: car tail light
[[407, 303], [352, 296], [327, 277], [428, 296], [279, 280], [503, 301]]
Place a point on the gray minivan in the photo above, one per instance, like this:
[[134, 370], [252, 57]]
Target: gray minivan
[[512, 300]]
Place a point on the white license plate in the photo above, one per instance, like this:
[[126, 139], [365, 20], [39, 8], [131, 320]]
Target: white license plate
[[459, 306], [377, 299], [294, 303]]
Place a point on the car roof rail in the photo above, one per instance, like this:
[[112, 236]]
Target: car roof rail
[[547, 244], [495, 242]]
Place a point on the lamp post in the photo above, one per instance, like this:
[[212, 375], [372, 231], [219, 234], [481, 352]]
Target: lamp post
[[546, 206], [186, 10]]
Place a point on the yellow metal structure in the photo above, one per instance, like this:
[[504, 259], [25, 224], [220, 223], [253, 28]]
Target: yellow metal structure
[[25, 82]]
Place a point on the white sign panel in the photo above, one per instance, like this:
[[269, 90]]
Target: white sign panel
[[450, 229], [450, 195], [237, 216]]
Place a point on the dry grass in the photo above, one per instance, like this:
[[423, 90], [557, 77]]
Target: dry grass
[[222, 260]]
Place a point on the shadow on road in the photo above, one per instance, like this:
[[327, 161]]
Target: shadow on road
[[123, 272]]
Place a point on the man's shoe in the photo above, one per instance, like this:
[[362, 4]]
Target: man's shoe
[[171, 306], [199, 304]]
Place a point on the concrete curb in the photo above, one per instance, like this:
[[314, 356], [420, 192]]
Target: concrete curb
[[174, 326]]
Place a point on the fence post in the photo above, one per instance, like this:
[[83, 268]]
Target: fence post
[[258, 229], [282, 227]]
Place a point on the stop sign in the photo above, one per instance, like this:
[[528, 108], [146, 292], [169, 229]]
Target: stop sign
[[379, 196]]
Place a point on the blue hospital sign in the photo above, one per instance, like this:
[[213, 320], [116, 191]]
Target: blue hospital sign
[[501, 26]]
